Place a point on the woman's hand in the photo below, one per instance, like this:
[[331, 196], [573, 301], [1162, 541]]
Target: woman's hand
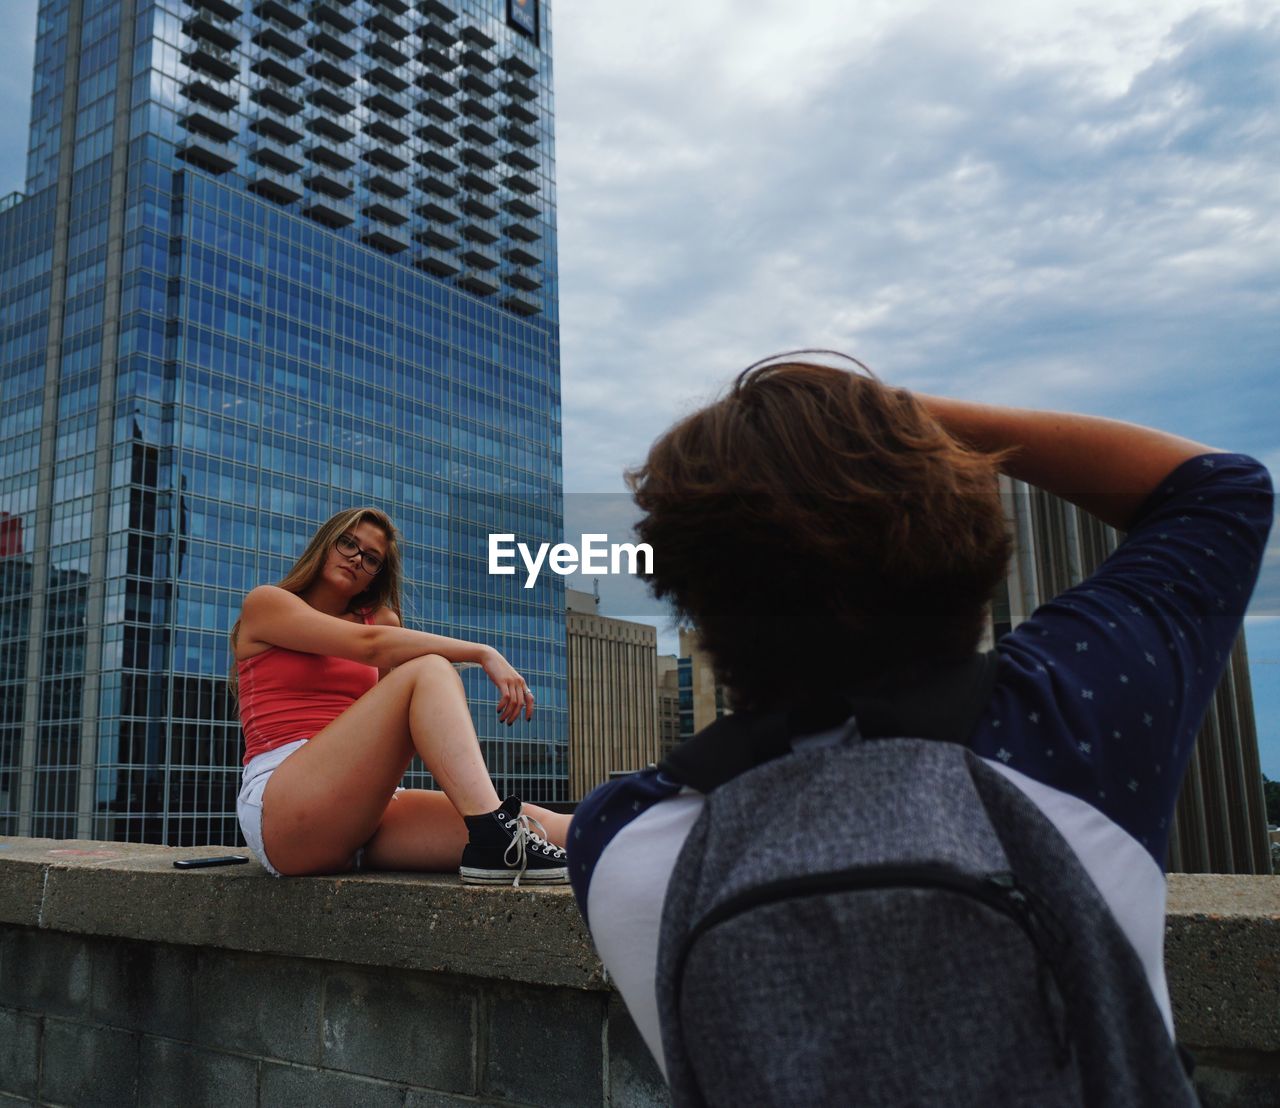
[[515, 693]]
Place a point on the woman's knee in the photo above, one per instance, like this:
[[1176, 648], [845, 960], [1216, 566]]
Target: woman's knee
[[430, 668]]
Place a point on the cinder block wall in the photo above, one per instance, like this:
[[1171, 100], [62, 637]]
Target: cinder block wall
[[125, 982], [86, 1020]]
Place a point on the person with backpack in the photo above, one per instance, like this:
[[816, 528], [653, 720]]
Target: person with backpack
[[903, 871]]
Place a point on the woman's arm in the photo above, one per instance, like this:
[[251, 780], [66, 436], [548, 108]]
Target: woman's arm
[[1104, 466], [276, 617]]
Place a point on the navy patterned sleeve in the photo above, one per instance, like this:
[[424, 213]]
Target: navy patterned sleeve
[[1102, 690]]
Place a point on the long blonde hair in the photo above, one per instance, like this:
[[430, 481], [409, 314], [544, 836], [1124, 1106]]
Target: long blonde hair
[[384, 586]]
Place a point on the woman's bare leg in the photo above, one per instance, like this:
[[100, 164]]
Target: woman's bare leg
[[421, 830], [329, 797]]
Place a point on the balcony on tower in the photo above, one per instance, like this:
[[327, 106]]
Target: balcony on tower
[[265, 149], [387, 210], [275, 69], [482, 282], [437, 261], [207, 152], [276, 129], [477, 109], [279, 96], [433, 106], [519, 135], [441, 237], [437, 8], [519, 89], [521, 303], [323, 151], [516, 111], [436, 160], [473, 36], [386, 79], [474, 132], [520, 159], [478, 159], [385, 131], [519, 182], [204, 93], [521, 207], [477, 185], [521, 277], [438, 211], [437, 60], [332, 211], [389, 160], [336, 129], [519, 67], [473, 82], [287, 13], [338, 78], [207, 57], [437, 135], [384, 236], [277, 38], [483, 231], [479, 209], [388, 182], [225, 10], [206, 120], [521, 231], [387, 48], [328, 94], [384, 22], [437, 182], [274, 183], [331, 182], [203, 27], [521, 254]]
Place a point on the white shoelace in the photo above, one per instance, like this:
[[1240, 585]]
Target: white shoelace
[[523, 839]]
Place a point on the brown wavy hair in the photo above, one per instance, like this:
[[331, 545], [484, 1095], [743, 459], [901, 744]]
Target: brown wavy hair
[[384, 586], [822, 531]]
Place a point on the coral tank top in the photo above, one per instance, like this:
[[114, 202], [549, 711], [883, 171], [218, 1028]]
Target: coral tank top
[[287, 695]]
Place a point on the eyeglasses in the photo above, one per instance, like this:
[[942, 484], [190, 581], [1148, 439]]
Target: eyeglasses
[[349, 548]]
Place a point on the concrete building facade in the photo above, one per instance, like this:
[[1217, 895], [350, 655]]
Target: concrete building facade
[[613, 697]]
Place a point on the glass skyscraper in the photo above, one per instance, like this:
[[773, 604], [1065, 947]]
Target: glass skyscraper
[[275, 258]]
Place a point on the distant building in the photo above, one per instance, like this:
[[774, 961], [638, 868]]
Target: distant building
[[1220, 823], [703, 700], [612, 680], [668, 702]]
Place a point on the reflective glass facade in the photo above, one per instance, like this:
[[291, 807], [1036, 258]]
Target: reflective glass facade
[[275, 259]]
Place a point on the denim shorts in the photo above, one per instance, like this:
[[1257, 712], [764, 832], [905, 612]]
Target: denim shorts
[[249, 803]]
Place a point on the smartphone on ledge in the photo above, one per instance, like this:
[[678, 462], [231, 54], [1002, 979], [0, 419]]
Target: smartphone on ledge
[[202, 863]]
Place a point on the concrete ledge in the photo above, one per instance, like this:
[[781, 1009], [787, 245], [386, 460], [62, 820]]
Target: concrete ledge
[[406, 921], [1222, 955], [107, 951]]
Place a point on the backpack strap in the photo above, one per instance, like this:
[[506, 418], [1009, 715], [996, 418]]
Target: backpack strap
[[938, 702]]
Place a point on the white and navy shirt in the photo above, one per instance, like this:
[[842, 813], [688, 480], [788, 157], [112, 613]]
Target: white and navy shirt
[[1094, 714]]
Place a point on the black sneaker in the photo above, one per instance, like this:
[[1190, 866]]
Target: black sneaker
[[503, 848]]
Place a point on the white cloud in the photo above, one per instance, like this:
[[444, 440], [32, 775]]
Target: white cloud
[[1073, 208]]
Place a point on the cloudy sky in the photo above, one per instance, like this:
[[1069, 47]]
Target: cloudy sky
[[1069, 205]]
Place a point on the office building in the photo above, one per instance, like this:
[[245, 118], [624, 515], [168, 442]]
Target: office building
[[274, 258], [668, 674], [613, 726]]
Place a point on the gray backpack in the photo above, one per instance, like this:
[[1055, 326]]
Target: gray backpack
[[891, 922]]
